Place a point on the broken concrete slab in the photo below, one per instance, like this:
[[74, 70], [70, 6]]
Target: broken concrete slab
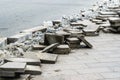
[[115, 22], [7, 73], [82, 39], [51, 38], [75, 33], [35, 29], [58, 22], [47, 57], [107, 13], [33, 70], [62, 49], [22, 77], [77, 24], [48, 48], [63, 33], [29, 61], [73, 42], [105, 17], [88, 32], [3, 42], [38, 47], [13, 66], [31, 55]]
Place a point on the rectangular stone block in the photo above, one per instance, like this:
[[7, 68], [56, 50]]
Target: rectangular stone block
[[13, 67], [82, 39], [38, 47], [48, 48], [33, 70], [107, 13], [73, 42], [90, 32], [29, 61], [47, 57], [62, 49], [51, 38], [22, 77], [7, 73]]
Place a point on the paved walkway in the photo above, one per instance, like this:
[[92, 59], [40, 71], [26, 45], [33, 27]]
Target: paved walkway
[[100, 63]]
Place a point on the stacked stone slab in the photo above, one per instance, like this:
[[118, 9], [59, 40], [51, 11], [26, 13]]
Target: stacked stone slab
[[115, 24], [12, 69], [62, 49], [73, 42]]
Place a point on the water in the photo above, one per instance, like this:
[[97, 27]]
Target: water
[[16, 15]]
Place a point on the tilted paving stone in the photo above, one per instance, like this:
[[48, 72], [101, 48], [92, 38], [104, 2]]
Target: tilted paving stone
[[47, 57], [48, 48]]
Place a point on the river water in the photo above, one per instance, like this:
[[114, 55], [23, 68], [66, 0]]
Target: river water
[[16, 15]]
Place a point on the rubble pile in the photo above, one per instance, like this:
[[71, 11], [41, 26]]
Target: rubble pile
[[21, 55]]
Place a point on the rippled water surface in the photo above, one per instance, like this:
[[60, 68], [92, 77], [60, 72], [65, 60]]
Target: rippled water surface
[[16, 15]]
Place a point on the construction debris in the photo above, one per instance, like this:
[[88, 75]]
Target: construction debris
[[33, 70], [62, 49], [38, 47], [47, 57], [73, 42], [51, 38], [25, 51], [11, 69], [48, 48], [21, 77], [29, 61], [82, 39]]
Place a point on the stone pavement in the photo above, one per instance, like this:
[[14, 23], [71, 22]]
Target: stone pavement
[[100, 63]]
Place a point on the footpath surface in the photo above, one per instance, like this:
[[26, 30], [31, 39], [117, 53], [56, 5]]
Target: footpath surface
[[100, 63]]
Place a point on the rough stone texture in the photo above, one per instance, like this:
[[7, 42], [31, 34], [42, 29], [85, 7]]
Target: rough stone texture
[[29, 61], [51, 38], [7, 74], [100, 63], [13, 66], [33, 70], [48, 48], [82, 39], [73, 42], [62, 49], [47, 57], [38, 47], [22, 77]]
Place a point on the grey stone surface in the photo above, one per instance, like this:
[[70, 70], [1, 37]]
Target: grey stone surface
[[51, 38], [47, 57], [62, 49], [82, 39], [100, 63], [33, 70], [22, 77], [13, 66], [73, 42], [7, 73], [48, 48], [38, 47], [24, 60]]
